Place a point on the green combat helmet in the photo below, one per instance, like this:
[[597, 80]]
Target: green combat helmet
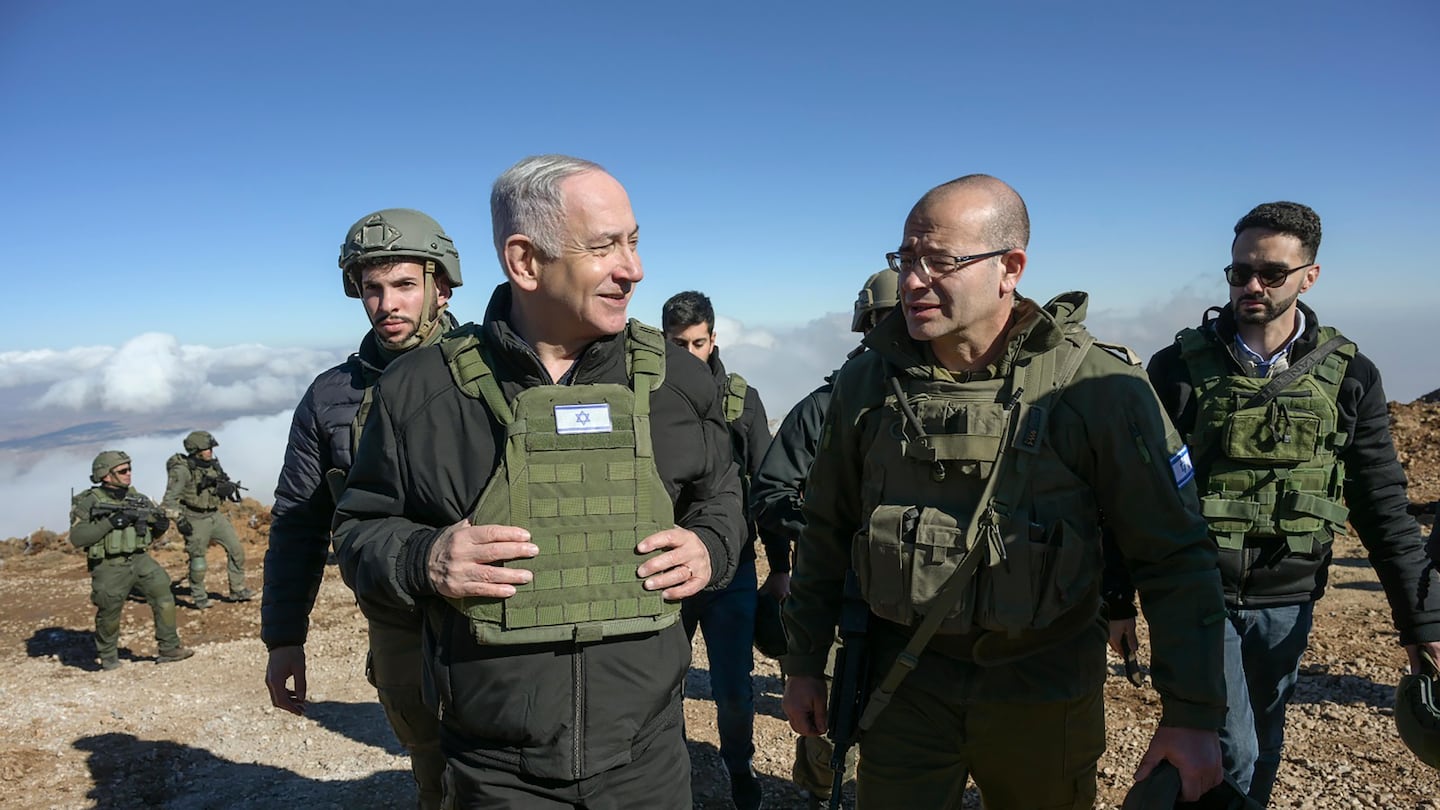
[[402, 233], [879, 295], [105, 462], [1417, 712], [199, 440]]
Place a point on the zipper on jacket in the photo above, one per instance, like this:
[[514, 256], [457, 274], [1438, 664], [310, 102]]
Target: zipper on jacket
[[577, 736]]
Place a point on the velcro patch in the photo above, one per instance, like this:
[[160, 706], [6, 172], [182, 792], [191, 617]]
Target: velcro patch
[[1181, 467], [583, 418]]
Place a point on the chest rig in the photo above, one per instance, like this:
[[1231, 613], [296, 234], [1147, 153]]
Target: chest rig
[[578, 471], [1269, 465], [957, 473]]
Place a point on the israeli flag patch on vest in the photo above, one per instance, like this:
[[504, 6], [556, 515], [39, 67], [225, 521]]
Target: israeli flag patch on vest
[[1181, 467], [582, 418]]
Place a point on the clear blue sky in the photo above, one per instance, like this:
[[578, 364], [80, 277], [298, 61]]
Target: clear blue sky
[[191, 167]]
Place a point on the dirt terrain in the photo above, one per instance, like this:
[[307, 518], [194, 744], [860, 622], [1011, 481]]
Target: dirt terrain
[[202, 734]]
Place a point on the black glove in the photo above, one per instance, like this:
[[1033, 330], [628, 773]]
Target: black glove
[[225, 489], [183, 526], [159, 525], [121, 519]]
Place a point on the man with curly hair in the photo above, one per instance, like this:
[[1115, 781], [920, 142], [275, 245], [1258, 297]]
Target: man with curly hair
[[1290, 437]]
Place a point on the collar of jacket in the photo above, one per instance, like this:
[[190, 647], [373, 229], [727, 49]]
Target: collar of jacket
[[1033, 330], [1220, 323], [718, 368], [522, 364], [373, 357]]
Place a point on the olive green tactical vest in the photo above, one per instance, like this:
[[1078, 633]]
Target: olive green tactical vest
[[922, 483], [119, 541], [578, 471], [1273, 470], [199, 493]]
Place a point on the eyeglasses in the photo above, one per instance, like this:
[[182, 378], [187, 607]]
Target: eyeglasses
[[935, 265], [121, 471], [1273, 276]]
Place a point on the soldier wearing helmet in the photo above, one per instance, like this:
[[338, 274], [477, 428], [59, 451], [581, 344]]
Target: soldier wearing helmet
[[775, 498], [196, 486], [115, 524], [402, 266]]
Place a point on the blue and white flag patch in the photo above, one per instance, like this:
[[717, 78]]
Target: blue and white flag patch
[[582, 418], [1181, 467]]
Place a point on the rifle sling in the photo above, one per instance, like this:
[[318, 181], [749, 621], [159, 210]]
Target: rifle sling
[[1283, 380]]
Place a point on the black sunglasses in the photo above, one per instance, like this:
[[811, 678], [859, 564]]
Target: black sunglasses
[[1240, 274]]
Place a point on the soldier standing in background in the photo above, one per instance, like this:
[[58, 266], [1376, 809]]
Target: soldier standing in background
[[115, 524], [727, 617], [196, 487], [402, 266], [778, 492]]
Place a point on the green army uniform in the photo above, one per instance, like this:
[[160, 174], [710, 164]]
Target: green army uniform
[[1009, 690], [118, 563], [192, 497]]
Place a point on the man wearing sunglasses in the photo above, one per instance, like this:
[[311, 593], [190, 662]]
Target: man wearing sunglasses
[[1290, 436], [957, 490]]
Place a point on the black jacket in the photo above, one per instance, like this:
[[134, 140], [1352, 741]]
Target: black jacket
[[300, 521], [777, 490], [750, 438], [1374, 492], [554, 711]]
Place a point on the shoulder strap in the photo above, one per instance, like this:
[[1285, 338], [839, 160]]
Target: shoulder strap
[[1051, 372], [735, 390], [464, 353], [1301, 367]]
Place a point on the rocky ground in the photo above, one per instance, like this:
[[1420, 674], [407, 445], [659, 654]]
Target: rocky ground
[[202, 734]]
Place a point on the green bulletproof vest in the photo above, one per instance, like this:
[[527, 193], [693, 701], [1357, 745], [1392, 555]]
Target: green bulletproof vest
[[118, 541], [923, 482], [199, 493], [578, 471], [1272, 470]]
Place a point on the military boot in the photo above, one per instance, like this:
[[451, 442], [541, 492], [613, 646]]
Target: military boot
[[109, 663], [242, 595], [171, 656]]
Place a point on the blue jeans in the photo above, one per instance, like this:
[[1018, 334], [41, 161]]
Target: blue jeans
[[1262, 662], [727, 620]]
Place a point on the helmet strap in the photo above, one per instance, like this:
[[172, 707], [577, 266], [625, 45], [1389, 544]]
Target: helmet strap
[[431, 314]]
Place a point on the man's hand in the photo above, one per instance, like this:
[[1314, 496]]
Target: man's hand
[[1123, 628], [1417, 663], [286, 663], [120, 519], [804, 704], [777, 584], [1194, 752], [183, 526], [470, 560], [681, 571]]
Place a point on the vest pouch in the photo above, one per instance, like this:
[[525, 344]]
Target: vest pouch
[[1066, 572], [1227, 515], [939, 545], [881, 556], [1271, 436]]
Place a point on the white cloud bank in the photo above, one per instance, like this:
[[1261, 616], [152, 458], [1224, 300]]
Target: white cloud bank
[[154, 372]]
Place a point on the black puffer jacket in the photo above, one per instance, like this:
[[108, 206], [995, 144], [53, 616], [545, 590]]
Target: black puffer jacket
[[750, 438], [300, 528], [778, 489], [1374, 492], [553, 711]]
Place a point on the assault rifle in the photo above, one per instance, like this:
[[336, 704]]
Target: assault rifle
[[851, 687], [226, 489], [135, 509]]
